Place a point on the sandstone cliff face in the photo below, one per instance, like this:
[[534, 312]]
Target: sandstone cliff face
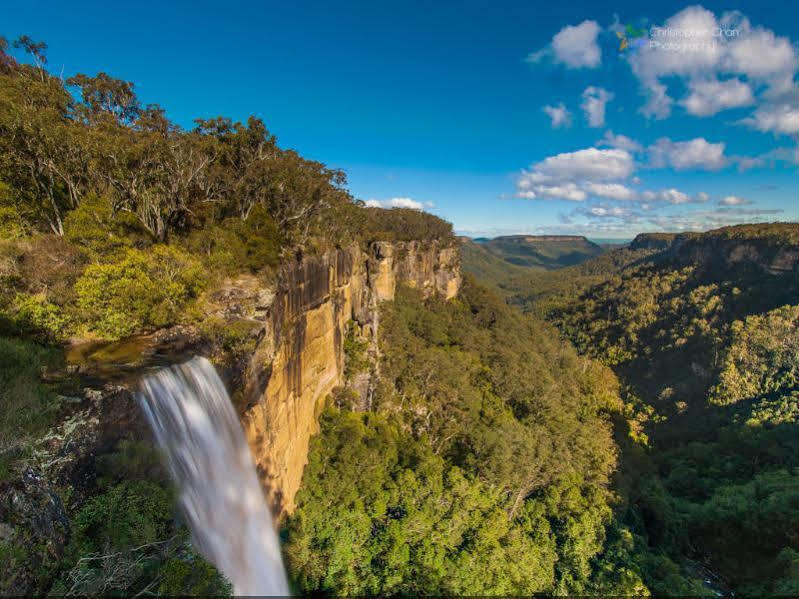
[[300, 357], [711, 252]]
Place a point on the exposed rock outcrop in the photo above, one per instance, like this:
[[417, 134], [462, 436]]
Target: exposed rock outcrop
[[712, 252], [770, 248], [300, 358], [292, 333], [652, 241]]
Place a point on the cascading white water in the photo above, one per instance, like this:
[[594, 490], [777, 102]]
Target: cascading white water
[[193, 420]]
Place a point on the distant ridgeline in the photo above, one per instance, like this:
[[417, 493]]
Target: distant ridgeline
[[703, 331], [535, 251], [771, 247]]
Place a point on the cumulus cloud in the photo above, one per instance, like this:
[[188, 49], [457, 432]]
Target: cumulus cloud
[[710, 96], [564, 191], [758, 52], [782, 117], [559, 115], [591, 164], [770, 159], [674, 196], [698, 47], [396, 203], [622, 212], [594, 101], [612, 191], [733, 201], [621, 142], [697, 153], [573, 175], [574, 46]]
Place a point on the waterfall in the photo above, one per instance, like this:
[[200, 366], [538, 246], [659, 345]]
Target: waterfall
[[193, 421]]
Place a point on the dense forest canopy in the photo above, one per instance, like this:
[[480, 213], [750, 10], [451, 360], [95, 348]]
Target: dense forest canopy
[[702, 331], [644, 440], [113, 219], [481, 466], [116, 222]]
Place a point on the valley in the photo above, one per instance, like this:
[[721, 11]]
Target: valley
[[221, 373]]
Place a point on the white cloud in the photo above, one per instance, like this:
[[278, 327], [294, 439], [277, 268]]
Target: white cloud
[[396, 203], [594, 101], [710, 96], [591, 164], [565, 191], [612, 191], [614, 211], [682, 155], [559, 115], [747, 162], [621, 142], [574, 45], [733, 201], [777, 118], [674, 196], [653, 61], [711, 55], [758, 52], [769, 159]]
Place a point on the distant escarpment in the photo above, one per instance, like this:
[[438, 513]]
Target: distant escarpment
[[299, 358], [534, 251], [773, 248]]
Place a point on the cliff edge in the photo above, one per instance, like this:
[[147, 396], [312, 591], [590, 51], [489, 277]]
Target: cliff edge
[[299, 359]]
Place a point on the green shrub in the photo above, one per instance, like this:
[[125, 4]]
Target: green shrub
[[35, 317], [355, 346], [12, 225], [125, 541], [97, 229], [145, 290], [132, 460], [231, 339], [128, 515], [192, 575], [27, 405], [235, 245]]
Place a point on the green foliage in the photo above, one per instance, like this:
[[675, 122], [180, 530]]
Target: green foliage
[[355, 358], [35, 317], [12, 225], [547, 252], [773, 233], [774, 411], [100, 232], [235, 244], [128, 515], [488, 452], [745, 527], [705, 347], [233, 341], [762, 357], [90, 141], [402, 224], [124, 538], [28, 405], [191, 575], [408, 523], [144, 290], [131, 461]]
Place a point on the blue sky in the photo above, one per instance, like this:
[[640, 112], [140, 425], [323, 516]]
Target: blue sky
[[503, 117]]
